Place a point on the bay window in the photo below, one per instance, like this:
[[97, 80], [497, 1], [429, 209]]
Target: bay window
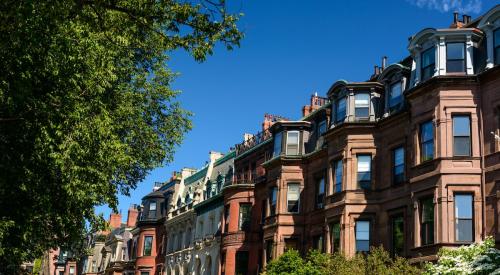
[[427, 221], [463, 218], [245, 216], [364, 171], [428, 63], [455, 57], [292, 143], [362, 105], [461, 135], [148, 245]]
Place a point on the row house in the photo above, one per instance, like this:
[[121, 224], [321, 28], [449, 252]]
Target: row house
[[181, 220]]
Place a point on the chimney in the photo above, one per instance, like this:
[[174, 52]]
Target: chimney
[[457, 24], [115, 220], [132, 215], [268, 122], [316, 103], [384, 63], [213, 155], [455, 17], [466, 19]]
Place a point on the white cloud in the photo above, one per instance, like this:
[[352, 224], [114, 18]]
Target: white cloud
[[462, 6]]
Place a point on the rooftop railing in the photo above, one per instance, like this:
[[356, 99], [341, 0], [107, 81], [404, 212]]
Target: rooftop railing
[[253, 141]]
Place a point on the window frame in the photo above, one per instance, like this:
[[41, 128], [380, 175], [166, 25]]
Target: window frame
[[356, 107], [429, 238], [360, 182], [457, 218], [245, 218], [395, 180], [356, 235], [147, 237], [464, 60], [295, 184], [319, 198], [423, 142], [152, 213], [277, 147], [469, 136], [337, 104], [288, 144], [433, 64], [337, 186]]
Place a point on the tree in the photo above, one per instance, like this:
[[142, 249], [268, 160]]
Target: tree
[[377, 261], [86, 108], [477, 258]]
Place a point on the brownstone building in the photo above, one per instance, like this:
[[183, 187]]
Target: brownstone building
[[408, 159]]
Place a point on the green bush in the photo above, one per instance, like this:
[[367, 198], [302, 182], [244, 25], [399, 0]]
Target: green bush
[[377, 262]]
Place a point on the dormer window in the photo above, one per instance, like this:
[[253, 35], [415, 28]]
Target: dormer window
[[340, 112], [362, 105], [395, 96], [187, 200], [428, 63], [277, 144], [292, 143], [152, 210], [321, 127], [496, 46], [455, 57]]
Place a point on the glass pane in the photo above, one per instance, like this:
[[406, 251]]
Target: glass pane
[[362, 100], [455, 66], [292, 149], [341, 109], [427, 72], [362, 230], [361, 112], [362, 246], [455, 51], [427, 211], [364, 163], [321, 186], [398, 235], [322, 127], [428, 57], [292, 138], [399, 155], [398, 170], [152, 206], [463, 206], [364, 176], [427, 131], [293, 191], [277, 144], [338, 176], [461, 126], [464, 230], [461, 146], [428, 151], [396, 90]]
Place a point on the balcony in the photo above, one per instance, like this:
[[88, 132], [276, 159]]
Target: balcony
[[253, 141], [198, 243], [208, 240]]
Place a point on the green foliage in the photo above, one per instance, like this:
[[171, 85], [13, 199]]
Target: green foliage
[[86, 108], [378, 261], [478, 258]]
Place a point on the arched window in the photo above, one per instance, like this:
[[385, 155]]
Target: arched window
[[208, 191]]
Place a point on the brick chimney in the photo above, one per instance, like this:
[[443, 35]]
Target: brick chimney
[[316, 103], [457, 24], [132, 215], [115, 220], [213, 155]]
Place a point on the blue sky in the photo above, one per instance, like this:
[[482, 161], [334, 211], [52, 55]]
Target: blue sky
[[291, 49]]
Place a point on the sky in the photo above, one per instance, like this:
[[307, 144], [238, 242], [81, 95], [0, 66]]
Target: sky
[[291, 49]]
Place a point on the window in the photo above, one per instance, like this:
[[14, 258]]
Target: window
[[318, 243], [428, 63], [241, 263], [226, 218], [277, 144], [335, 231], [398, 167], [321, 127], [291, 243], [362, 236], [292, 143], [338, 170], [427, 222], [364, 171], [463, 218], [461, 136], [245, 217], [148, 245], [398, 235], [72, 270], [395, 95], [144, 272], [455, 57], [340, 110], [496, 47], [263, 212], [362, 105], [426, 141], [152, 210], [269, 250], [320, 193], [293, 197], [272, 201]]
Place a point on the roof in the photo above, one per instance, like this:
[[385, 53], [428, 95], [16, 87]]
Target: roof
[[196, 176]]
